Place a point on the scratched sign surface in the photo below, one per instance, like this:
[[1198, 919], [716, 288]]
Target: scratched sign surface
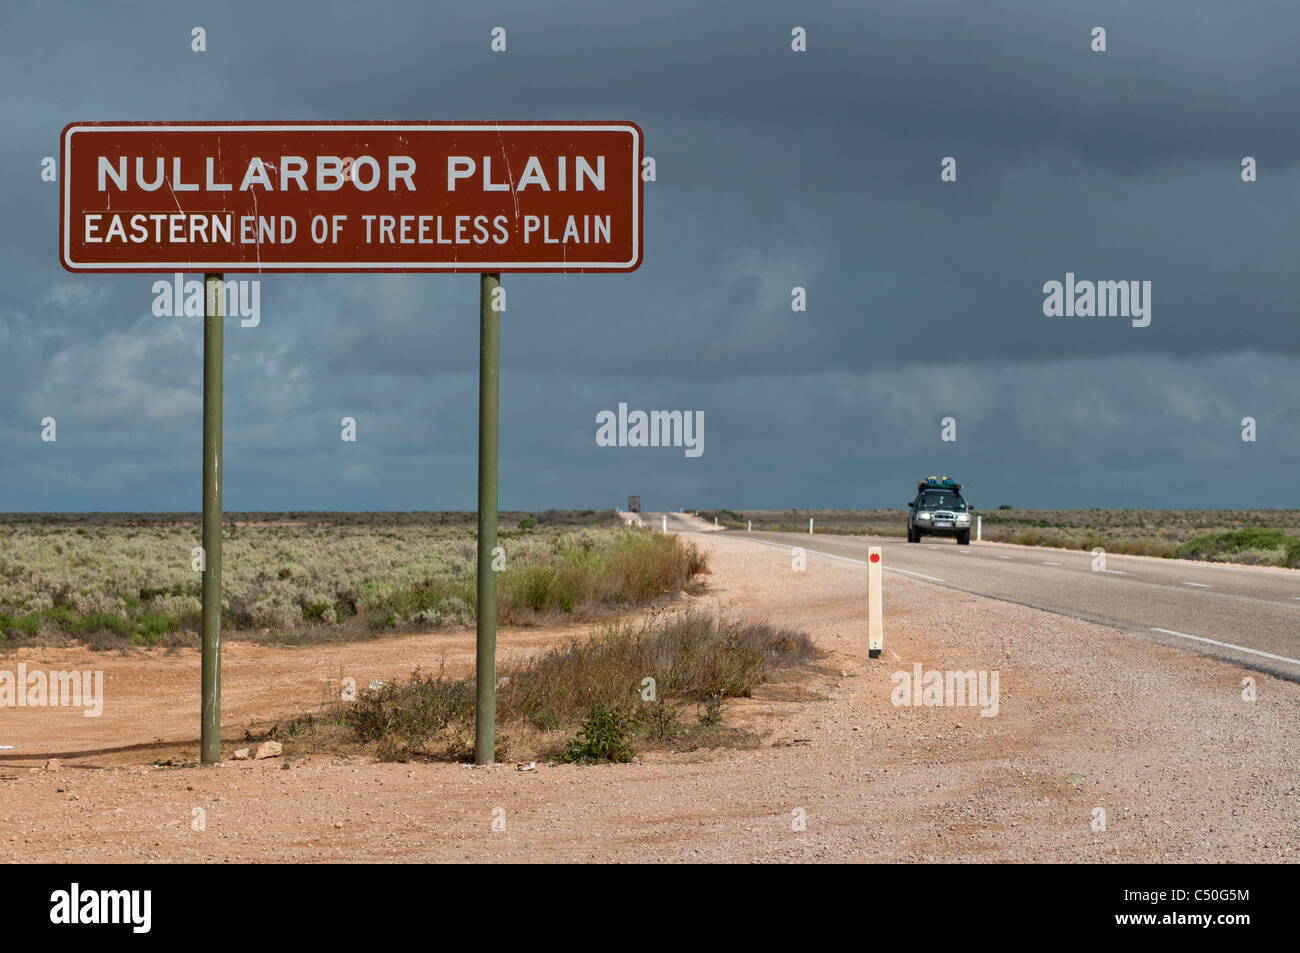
[[293, 196]]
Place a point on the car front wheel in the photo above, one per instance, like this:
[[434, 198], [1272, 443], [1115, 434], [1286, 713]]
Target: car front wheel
[[963, 538]]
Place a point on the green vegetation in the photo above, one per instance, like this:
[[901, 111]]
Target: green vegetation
[[604, 736], [606, 694], [1254, 545], [151, 626], [116, 579], [404, 716], [93, 628], [1247, 536]]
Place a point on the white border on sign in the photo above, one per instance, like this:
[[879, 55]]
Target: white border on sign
[[353, 265]]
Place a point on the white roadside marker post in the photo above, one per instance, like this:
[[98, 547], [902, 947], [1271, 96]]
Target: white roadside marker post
[[810, 526], [749, 526], [875, 618], [665, 523], [979, 528]]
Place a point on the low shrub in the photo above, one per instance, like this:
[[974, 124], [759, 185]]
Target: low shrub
[[1255, 544], [604, 736], [596, 684], [405, 716], [151, 626]]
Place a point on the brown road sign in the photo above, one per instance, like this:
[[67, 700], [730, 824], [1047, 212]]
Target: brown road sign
[[351, 196]]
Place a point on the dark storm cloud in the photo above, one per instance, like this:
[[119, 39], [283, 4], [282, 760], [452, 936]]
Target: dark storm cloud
[[775, 170]]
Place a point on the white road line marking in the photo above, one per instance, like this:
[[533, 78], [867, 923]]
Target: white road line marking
[[1051, 564], [847, 559], [1115, 572], [1227, 645], [1198, 585], [907, 571], [1004, 557]]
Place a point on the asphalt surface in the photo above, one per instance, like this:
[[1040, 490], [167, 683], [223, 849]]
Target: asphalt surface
[[1250, 615]]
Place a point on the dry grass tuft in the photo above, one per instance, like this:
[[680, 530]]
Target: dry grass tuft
[[619, 688]]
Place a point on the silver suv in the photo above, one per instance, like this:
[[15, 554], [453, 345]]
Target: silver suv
[[938, 510]]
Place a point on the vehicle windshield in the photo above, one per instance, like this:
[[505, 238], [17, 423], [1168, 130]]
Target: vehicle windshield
[[942, 500]]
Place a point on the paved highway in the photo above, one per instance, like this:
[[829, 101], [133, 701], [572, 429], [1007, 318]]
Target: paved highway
[[1250, 615]]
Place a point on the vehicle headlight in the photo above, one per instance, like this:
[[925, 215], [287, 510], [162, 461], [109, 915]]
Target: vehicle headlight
[[963, 517], [923, 515]]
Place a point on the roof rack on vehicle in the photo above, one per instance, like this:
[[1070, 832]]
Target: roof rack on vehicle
[[934, 482]]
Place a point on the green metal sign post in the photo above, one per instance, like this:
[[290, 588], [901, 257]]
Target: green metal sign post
[[213, 339], [489, 392]]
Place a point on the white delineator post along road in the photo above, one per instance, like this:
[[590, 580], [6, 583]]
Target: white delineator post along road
[[875, 614]]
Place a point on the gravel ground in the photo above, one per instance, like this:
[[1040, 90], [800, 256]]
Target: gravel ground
[[1159, 739]]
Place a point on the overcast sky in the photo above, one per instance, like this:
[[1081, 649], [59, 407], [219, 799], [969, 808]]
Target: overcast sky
[[775, 169]]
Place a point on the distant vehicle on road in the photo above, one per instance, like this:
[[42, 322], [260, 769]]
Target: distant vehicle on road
[[634, 504], [938, 510]]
